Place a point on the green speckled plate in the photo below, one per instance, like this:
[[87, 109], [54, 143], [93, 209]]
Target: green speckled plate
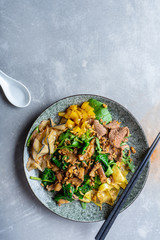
[[92, 213]]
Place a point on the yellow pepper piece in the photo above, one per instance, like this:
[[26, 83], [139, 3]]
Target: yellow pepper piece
[[70, 123], [61, 114], [78, 117]]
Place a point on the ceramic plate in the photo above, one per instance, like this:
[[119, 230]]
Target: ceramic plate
[[92, 213]]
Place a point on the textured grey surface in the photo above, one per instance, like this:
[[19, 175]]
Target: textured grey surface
[[59, 48]]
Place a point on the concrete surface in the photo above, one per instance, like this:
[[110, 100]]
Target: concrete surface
[[59, 48]]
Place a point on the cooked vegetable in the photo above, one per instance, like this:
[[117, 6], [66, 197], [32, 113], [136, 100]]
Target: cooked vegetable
[[43, 125], [100, 110], [48, 175], [98, 146], [44, 150], [83, 204], [52, 124], [37, 145], [40, 179], [128, 161], [50, 140], [33, 135], [82, 158]]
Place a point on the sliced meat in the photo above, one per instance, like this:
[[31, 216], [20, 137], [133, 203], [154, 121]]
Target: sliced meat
[[57, 187], [94, 169], [74, 181], [101, 174], [89, 152], [62, 201], [50, 187], [59, 176], [99, 128], [98, 168], [113, 125], [116, 136], [70, 171], [72, 158], [54, 168], [81, 173]]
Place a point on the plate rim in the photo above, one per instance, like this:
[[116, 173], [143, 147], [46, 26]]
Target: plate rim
[[87, 94]]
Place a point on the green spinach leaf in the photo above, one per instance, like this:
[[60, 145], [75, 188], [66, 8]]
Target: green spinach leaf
[[100, 111]]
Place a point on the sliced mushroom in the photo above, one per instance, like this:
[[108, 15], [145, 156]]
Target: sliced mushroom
[[34, 134], [31, 164], [44, 150], [37, 145], [51, 140], [52, 124], [61, 127], [34, 154], [43, 125], [41, 136]]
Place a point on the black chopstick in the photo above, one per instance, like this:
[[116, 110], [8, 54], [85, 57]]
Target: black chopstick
[[115, 211]]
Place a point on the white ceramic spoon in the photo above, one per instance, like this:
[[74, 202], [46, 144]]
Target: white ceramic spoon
[[15, 91]]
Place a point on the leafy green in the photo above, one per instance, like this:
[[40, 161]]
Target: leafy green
[[56, 162], [100, 111], [98, 148], [68, 190], [109, 171], [95, 104], [61, 162], [83, 204], [85, 139], [103, 158], [63, 137], [66, 193], [97, 182], [64, 164], [127, 160], [40, 179], [128, 136], [86, 136], [74, 141], [29, 139], [106, 164], [48, 174], [86, 187], [86, 144]]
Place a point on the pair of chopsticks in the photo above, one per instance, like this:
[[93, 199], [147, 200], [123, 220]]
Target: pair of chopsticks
[[114, 213]]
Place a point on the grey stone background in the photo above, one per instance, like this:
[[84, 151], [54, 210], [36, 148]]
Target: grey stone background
[[58, 48]]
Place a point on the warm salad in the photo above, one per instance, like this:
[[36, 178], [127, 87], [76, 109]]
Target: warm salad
[[85, 157]]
